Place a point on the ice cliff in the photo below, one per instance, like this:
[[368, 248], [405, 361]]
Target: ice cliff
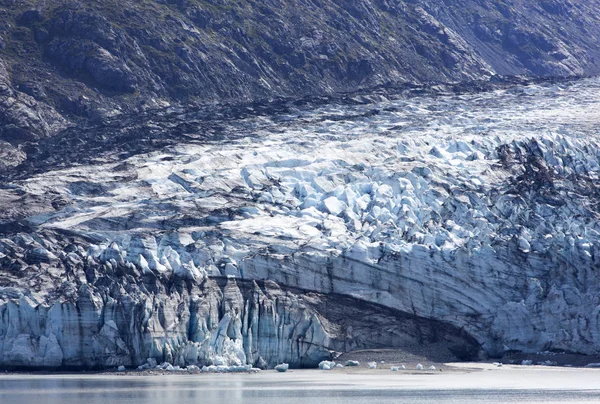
[[468, 220]]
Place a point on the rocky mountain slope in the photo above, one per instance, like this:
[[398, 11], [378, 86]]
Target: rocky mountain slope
[[91, 60], [256, 182]]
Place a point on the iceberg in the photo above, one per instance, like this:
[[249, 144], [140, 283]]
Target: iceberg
[[283, 367]]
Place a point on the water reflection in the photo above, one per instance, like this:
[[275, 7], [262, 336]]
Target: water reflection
[[237, 389]]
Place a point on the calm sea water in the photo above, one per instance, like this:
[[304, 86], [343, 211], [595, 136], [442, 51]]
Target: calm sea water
[[302, 387]]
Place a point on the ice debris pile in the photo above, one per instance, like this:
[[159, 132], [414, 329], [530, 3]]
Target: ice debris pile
[[478, 210]]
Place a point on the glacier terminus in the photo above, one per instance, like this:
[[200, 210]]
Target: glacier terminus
[[469, 220]]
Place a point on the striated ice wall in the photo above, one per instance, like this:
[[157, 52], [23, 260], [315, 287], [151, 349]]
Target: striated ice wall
[[219, 321]]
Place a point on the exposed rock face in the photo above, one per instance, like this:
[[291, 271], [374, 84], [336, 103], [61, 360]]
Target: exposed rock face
[[22, 118], [124, 55], [469, 220]]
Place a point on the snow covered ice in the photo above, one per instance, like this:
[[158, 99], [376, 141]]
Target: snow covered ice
[[476, 210]]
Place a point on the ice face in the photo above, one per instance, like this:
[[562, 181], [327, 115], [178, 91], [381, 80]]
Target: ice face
[[478, 210]]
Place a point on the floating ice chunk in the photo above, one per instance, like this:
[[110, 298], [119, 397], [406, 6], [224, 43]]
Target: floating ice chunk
[[403, 367], [431, 367], [419, 366], [326, 365], [593, 365], [372, 365], [527, 363], [121, 368], [283, 367], [352, 363], [339, 366], [192, 368], [395, 368]]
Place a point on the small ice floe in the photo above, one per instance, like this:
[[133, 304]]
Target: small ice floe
[[382, 362], [419, 366], [395, 368], [165, 366], [283, 367], [326, 365], [121, 368], [497, 364], [402, 367], [339, 366], [352, 363], [593, 365], [226, 369], [372, 365], [431, 367], [192, 368], [527, 362]]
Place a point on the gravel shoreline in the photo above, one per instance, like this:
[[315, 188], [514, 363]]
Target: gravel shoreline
[[433, 359]]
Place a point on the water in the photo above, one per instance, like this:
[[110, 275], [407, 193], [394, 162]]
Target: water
[[575, 386]]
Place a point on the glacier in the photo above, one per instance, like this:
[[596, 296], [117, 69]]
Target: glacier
[[469, 219]]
